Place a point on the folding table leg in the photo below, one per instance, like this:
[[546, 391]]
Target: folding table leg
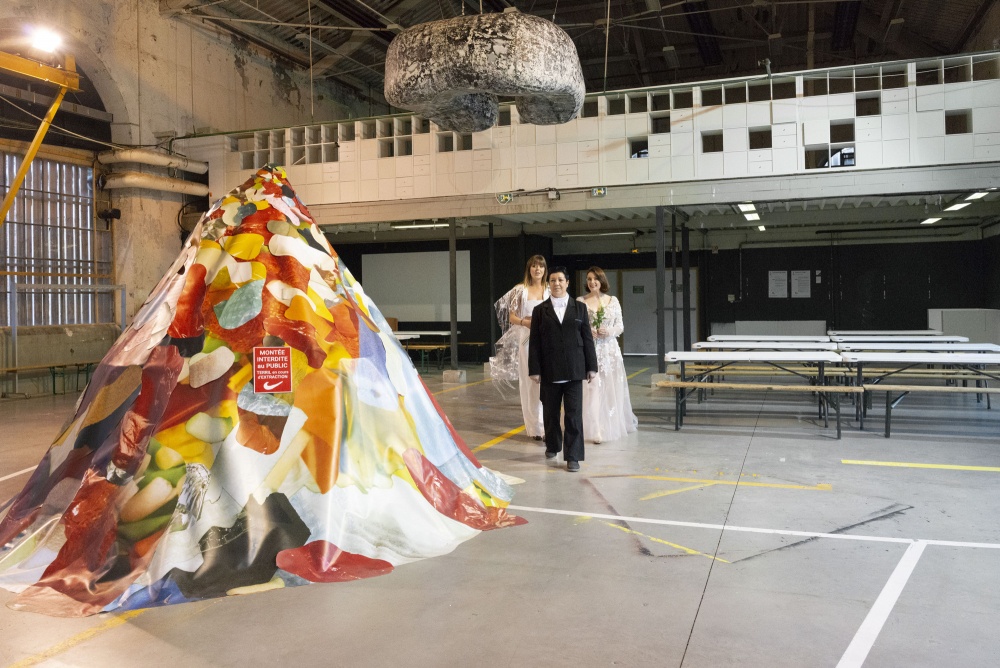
[[861, 400], [888, 412], [837, 406], [677, 409]]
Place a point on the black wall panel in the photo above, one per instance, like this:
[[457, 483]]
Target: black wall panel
[[875, 286]]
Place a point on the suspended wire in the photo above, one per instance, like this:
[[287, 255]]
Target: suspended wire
[[312, 96], [607, 41], [77, 134]]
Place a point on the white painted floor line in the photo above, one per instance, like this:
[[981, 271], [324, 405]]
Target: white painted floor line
[[14, 475], [863, 640], [730, 527]]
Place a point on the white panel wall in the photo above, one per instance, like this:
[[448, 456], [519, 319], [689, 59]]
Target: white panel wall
[[910, 130]]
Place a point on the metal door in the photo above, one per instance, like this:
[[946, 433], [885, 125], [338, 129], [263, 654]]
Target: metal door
[[639, 311]]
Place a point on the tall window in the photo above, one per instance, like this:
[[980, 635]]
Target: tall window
[[50, 237]]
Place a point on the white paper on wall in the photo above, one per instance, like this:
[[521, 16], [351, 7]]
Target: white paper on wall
[[777, 284], [801, 285]]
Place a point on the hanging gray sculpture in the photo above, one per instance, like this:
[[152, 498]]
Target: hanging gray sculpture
[[452, 71]]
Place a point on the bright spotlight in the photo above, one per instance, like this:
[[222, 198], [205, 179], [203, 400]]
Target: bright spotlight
[[45, 40]]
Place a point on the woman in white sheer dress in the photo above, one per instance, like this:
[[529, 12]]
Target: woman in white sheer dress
[[607, 408], [511, 361]]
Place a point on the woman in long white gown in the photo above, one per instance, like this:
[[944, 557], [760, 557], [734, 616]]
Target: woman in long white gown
[[607, 408], [511, 361]]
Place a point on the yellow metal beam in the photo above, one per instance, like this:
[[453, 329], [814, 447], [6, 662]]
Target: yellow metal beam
[[66, 77], [15, 185]]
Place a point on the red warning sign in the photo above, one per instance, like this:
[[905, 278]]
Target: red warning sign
[[272, 370]]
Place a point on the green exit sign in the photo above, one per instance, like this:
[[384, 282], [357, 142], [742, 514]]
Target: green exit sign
[[505, 198], [638, 289]]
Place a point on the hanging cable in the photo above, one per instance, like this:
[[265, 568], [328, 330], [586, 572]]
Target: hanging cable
[[607, 39], [554, 10], [78, 135], [312, 97]]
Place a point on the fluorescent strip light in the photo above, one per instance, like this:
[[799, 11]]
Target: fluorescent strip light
[[930, 221], [422, 226], [976, 196], [598, 234], [956, 207], [747, 207], [761, 228], [752, 216]]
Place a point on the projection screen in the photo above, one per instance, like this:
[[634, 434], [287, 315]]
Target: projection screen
[[414, 287]]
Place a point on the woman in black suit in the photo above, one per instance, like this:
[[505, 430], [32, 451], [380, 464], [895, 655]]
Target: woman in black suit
[[560, 356]]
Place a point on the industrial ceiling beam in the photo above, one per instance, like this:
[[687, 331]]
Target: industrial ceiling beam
[[65, 77], [975, 24]]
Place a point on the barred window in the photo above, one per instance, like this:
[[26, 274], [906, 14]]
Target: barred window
[[50, 236]]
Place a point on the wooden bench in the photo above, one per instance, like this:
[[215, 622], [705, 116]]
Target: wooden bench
[[681, 396], [443, 351], [56, 370], [907, 389], [425, 349]]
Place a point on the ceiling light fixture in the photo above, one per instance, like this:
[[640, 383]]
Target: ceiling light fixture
[[956, 207], [417, 226], [44, 39], [930, 221], [974, 196], [761, 228], [598, 234], [752, 216], [747, 207]]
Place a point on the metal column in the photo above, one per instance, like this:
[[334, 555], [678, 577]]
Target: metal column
[[673, 274], [454, 293], [493, 299], [686, 277], [661, 281]]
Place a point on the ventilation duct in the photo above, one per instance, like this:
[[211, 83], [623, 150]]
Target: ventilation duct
[[147, 157], [152, 182]]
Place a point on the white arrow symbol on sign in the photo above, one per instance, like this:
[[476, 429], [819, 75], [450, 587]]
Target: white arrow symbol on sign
[[271, 386]]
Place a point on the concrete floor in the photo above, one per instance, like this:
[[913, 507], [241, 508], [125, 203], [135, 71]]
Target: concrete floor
[[581, 590]]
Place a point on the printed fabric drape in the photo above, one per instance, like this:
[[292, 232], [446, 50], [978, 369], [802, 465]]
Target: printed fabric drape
[[175, 481]]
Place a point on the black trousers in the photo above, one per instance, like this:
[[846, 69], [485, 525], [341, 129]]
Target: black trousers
[[568, 395]]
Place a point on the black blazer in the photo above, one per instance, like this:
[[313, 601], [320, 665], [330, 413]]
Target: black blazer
[[561, 351]]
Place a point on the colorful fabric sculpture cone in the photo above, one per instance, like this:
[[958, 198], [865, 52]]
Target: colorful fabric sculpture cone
[[175, 481]]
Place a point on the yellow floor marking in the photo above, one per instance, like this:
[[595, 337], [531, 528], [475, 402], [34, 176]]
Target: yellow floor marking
[[637, 373], [73, 641], [741, 483], [656, 495], [673, 545], [921, 466], [452, 389], [498, 439]]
